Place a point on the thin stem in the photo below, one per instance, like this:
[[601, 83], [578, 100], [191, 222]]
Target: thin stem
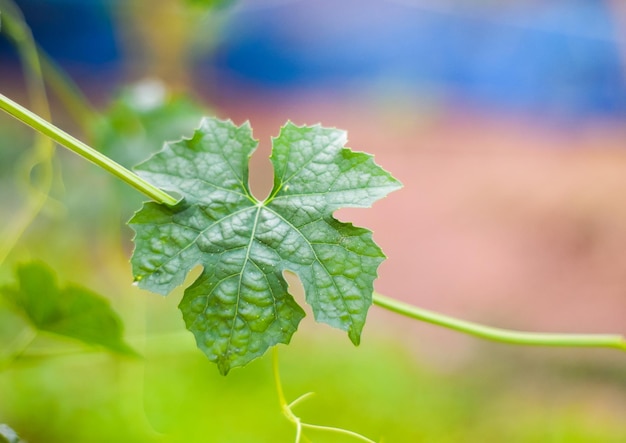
[[300, 399], [337, 431], [300, 425], [501, 335], [279, 385], [281, 397], [34, 121]]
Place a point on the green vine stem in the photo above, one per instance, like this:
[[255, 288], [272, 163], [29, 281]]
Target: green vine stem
[[501, 335], [34, 121]]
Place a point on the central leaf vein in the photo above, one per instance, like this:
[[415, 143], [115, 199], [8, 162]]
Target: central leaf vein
[[243, 268]]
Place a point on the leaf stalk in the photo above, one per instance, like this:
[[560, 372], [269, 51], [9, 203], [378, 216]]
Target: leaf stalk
[[58, 135]]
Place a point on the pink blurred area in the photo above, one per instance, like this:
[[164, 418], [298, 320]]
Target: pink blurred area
[[503, 219]]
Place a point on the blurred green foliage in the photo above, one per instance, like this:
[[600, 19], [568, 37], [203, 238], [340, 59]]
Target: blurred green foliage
[[141, 119], [14, 143], [72, 312], [379, 390]]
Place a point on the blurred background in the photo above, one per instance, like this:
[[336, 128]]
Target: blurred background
[[506, 124]]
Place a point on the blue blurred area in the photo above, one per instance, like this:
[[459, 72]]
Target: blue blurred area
[[548, 57], [71, 31], [558, 57]]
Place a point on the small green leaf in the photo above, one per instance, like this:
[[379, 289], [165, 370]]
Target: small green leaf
[[8, 435], [240, 306], [72, 312]]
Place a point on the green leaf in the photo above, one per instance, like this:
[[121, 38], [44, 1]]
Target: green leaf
[[8, 435], [72, 312], [240, 306]]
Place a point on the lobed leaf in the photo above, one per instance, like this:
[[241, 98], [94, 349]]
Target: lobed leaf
[[240, 305]]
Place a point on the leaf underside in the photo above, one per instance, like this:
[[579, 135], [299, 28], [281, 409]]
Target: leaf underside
[[240, 306]]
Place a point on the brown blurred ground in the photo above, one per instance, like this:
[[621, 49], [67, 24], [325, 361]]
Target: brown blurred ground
[[503, 219]]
